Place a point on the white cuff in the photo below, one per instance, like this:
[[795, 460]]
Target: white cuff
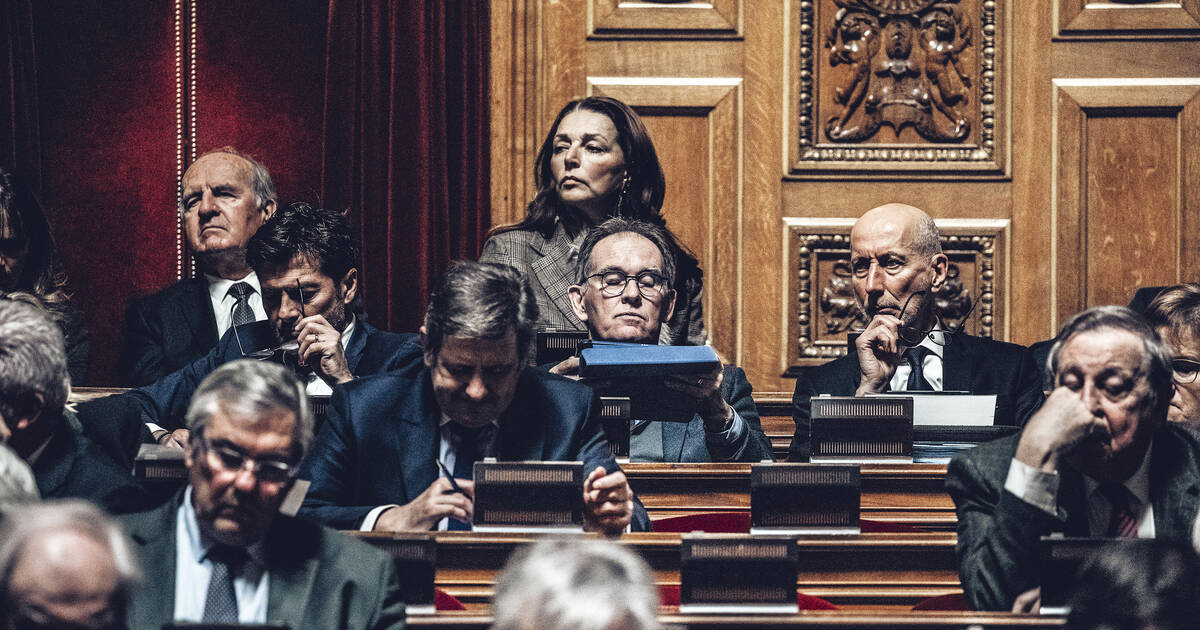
[[1037, 488], [154, 427], [368, 524]]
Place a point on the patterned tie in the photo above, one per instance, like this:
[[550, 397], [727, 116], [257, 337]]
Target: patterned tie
[[469, 445], [220, 606], [916, 378], [242, 313], [1123, 522]]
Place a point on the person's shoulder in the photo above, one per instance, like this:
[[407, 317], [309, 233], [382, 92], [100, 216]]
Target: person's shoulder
[[167, 297], [994, 346], [389, 338], [148, 524], [535, 382], [993, 455], [387, 384], [290, 537]]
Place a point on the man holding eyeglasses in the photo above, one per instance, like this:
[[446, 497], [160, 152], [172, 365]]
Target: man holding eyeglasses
[[898, 269], [222, 553], [1175, 316], [625, 273]]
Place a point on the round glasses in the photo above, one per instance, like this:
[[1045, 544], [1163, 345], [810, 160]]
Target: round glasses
[[649, 284], [228, 458], [1184, 371]]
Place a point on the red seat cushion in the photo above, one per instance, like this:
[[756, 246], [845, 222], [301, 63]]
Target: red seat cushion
[[668, 595], [954, 601], [445, 601]]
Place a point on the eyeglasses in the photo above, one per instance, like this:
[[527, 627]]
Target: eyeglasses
[[230, 459], [28, 616], [912, 336], [1184, 370], [650, 284]]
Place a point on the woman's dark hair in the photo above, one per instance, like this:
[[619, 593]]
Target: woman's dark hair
[[642, 196], [42, 272]]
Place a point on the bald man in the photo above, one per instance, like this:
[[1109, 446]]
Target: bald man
[[898, 267], [225, 196]]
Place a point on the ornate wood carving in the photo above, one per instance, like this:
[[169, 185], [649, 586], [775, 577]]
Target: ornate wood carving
[[911, 85], [820, 291]]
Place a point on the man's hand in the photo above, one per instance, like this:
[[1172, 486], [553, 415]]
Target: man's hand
[[437, 502], [705, 388], [321, 349], [1063, 422], [568, 367], [879, 352], [607, 502], [1028, 602], [177, 438]]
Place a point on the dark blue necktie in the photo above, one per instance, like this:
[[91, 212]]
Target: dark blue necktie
[[468, 449], [916, 378]]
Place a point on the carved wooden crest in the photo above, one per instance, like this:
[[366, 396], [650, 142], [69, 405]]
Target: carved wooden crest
[[909, 85]]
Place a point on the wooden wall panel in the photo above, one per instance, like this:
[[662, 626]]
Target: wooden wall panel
[[664, 18], [1124, 186], [1103, 18]]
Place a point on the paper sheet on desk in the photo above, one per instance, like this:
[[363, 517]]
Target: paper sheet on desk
[[956, 410]]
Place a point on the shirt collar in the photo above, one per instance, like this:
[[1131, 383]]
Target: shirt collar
[[1138, 485], [347, 332], [199, 544], [218, 287], [928, 344]]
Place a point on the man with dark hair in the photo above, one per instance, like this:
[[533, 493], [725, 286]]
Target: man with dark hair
[[623, 293], [1098, 459], [225, 195], [221, 552], [898, 267], [35, 421], [1146, 586], [305, 259], [374, 468]]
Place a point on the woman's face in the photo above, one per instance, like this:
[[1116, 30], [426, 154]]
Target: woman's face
[[586, 162], [13, 247]]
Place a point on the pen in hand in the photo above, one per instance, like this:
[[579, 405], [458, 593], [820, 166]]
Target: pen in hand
[[449, 475]]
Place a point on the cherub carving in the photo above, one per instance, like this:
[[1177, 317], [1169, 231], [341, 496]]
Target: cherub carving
[[943, 38], [853, 40]]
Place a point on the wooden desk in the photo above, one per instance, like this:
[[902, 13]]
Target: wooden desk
[[910, 494], [816, 620], [893, 571], [775, 414]]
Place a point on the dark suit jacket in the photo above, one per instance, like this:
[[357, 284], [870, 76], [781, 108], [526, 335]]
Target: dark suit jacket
[[165, 331], [369, 351], [998, 532], [318, 578], [973, 364], [381, 439], [72, 466]]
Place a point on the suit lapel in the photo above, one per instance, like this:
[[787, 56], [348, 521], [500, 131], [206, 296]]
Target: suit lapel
[[1073, 502], [54, 464], [1174, 487], [957, 361], [200, 318], [154, 534], [293, 571], [674, 434], [522, 431], [552, 274], [356, 345], [419, 419]]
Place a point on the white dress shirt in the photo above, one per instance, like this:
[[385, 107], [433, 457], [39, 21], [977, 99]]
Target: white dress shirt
[[1040, 489], [317, 387], [193, 572], [222, 302], [932, 364]]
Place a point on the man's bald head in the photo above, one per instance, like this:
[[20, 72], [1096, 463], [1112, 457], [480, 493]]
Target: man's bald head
[[918, 229]]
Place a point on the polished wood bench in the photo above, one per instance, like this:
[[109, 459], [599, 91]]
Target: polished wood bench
[[813, 620], [893, 571]]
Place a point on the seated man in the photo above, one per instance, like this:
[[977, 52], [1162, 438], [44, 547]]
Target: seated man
[[1175, 316], [1098, 459], [220, 552], [225, 196], [35, 422], [64, 564], [615, 309], [306, 261], [898, 266], [375, 463]]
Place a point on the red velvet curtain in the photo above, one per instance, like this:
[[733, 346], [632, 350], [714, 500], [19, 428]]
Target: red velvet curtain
[[18, 104], [406, 142]]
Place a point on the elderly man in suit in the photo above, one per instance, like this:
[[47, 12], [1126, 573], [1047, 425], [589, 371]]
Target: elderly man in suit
[[623, 293], [375, 463], [220, 552], [307, 263], [1098, 459], [225, 196], [898, 266]]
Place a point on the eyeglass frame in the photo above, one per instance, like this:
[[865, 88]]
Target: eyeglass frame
[[1174, 373], [910, 338], [657, 292], [205, 444]]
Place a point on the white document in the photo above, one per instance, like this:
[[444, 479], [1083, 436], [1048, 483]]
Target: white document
[[953, 410]]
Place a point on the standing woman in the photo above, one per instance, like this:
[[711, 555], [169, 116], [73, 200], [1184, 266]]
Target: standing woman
[[596, 162], [29, 263]]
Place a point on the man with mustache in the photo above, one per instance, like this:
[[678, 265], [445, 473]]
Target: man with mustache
[[898, 266], [623, 293], [375, 463], [1098, 459], [220, 552], [225, 195], [307, 264]]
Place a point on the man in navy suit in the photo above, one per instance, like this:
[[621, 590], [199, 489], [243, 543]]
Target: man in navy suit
[[898, 267], [374, 464], [623, 293], [307, 261], [226, 196]]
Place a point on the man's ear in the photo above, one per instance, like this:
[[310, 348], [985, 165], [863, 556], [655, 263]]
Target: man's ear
[[27, 409], [268, 209], [348, 286], [575, 294], [425, 347], [941, 266], [668, 308]]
